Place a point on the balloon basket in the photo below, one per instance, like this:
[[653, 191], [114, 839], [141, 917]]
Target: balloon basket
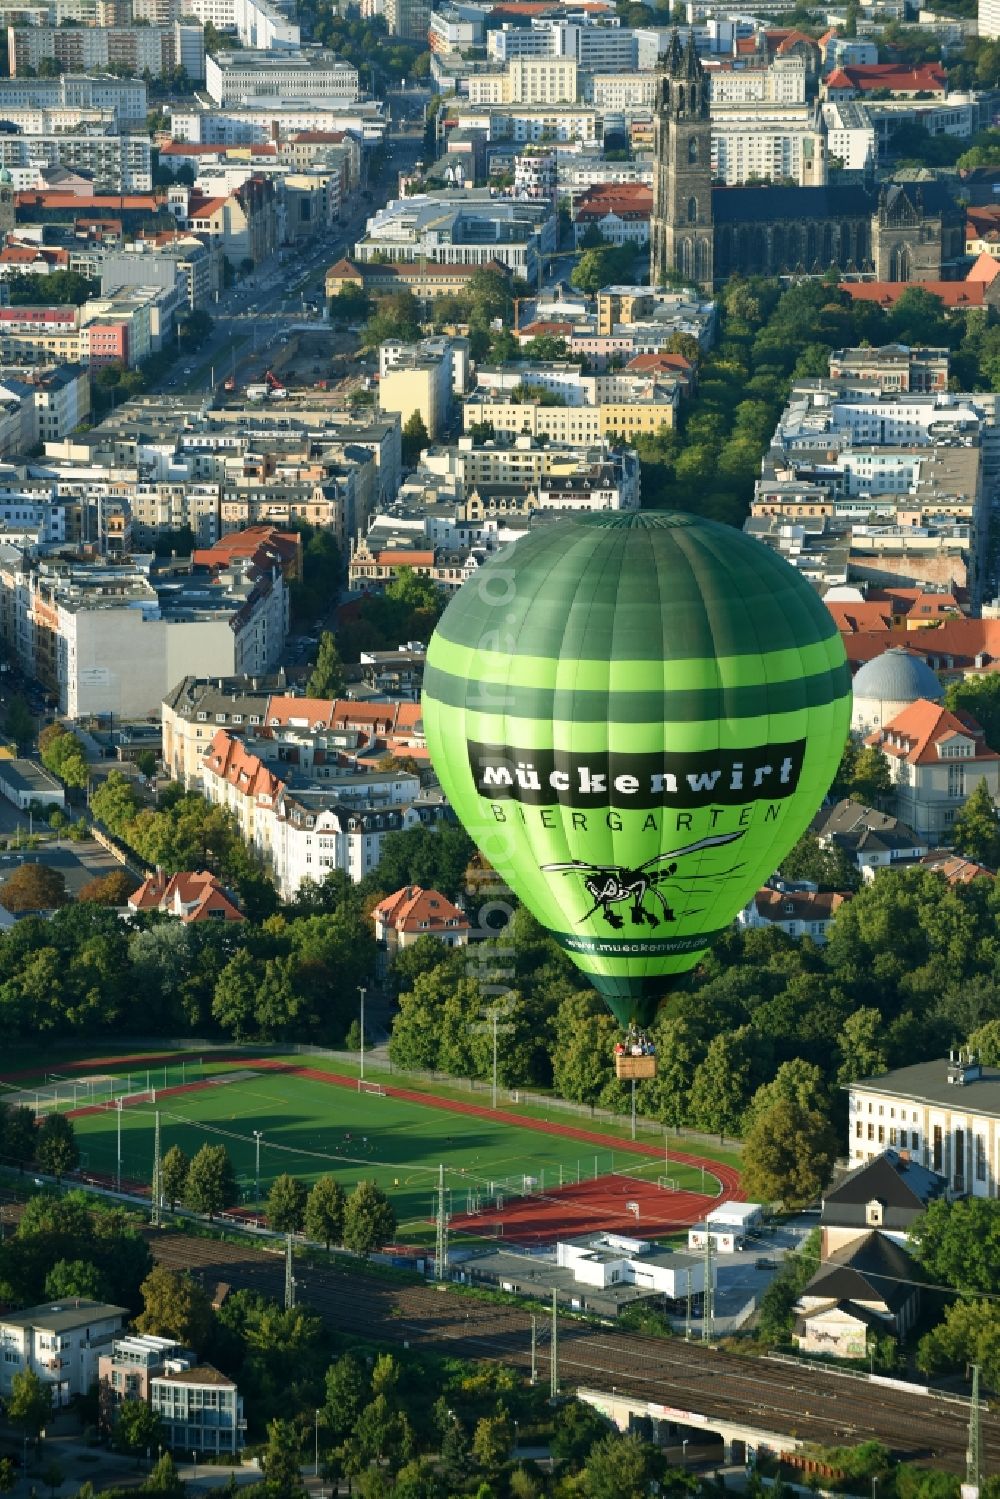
[[628, 1068]]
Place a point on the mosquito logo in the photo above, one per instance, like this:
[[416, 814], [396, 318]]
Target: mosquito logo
[[616, 885]]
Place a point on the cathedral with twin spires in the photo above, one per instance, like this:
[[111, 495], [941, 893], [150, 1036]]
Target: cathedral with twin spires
[[708, 233]]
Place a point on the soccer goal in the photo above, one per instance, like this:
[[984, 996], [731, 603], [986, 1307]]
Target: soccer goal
[[667, 1183], [366, 1087]]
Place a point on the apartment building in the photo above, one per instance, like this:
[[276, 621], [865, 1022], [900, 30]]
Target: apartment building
[[157, 50], [109, 638], [115, 163], [408, 19], [127, 97], [60, 1342], [769, 143]]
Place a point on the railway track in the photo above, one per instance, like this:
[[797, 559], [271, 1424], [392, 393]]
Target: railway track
[[800, 1402]]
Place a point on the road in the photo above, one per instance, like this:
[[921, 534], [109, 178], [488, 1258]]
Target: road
[[252, 316], [802, 1402]]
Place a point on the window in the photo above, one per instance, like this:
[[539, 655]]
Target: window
[[914, 1140], [937, 1157], [693, 149], [980, 1158], [959, 1155]]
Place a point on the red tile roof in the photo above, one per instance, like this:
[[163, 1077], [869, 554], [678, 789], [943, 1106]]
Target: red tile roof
[[53, 199], [928, 78], [798, 905], [914, 734], [955, 294], [231, 761], [953, 868], [985, 268], [648, 364], [190, 896], [413, 911]]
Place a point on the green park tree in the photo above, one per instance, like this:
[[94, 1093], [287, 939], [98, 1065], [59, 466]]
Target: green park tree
[[720, 1084], [979, 696], [57, 1151], [984, 1041], [958, 1244], [18, 1134], [827, 868], [282, 1461], [976, 831], [286, 1204], [492, 1441], [211, 1181], [327, 679], [76, 1278], [175, 1306], [869, 777], [29, 1404], [860, 1045], [234, 1002], [324, 1215], [619, 1465], [969, 1333], [369, 1219], [138, 1427], [788, 1155], [174, 1170], [346, 1392], [415, 438], [20, 724]]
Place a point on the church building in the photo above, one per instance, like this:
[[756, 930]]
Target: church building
[[709, 233]]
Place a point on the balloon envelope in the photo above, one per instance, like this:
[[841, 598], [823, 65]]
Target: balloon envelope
[[635, 716]]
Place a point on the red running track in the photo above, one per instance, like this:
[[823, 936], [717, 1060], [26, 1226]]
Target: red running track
[[585, 1207]]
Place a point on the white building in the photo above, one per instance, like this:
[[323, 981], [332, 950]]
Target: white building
[[285, 77], [989, 19], [945, 1113], [126, 96], [60, 1342], [784, 82], [728, 1227], [768, 143], [105, 640], [850, 135], [263, 26]]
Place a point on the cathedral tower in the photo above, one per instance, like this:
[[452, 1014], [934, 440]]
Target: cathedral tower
[[681, 230]]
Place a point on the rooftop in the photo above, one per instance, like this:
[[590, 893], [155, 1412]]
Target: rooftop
[[928, 1083], [64, 1316]]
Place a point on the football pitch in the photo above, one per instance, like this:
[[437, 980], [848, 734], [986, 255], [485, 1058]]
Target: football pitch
[[310, 1128]]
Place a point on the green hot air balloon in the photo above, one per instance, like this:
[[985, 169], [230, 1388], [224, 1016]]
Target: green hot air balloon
[[635, 716]]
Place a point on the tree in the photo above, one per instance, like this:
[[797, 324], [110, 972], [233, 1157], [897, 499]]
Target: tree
[[788, 1155], [976, 831], [8, 1474], [18, 1135], [64, 755], [958, 1244], [827, 868], [286, 1204], [62, 288], [138, 1427], [211, 1181], [57, 1151], [175, 1306], [862, 1053], [327, 679], [619, 1465], [577, 1427], [111, 889], [33, 887], [282, 1461], [174, 1170], [369, 1219], [969, 1333], [20, 723], [75, 1278], [720, 1084], [29, 1403], [870, 776], [415, 438], [492, 1441], [346, 1392], [799, 1082], [324, 1217], [166, 1481], [234, 1002]]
